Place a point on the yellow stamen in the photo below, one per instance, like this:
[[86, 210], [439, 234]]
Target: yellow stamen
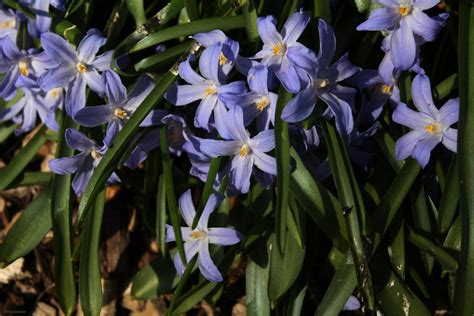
[[386, 89], [8, 24], [55, 92], [95, 154], [24, 69], [262, 103], [322, 83], [244, 150], [433, 128], [404, 10], [121, 113], [222, 59], [82, 68], [279, 49], [198, 234], [210, 91]]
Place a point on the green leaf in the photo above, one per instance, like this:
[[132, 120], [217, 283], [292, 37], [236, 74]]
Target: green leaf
[[136, 9], [284, 269], [156, 278], [250, 16], [28, 231], [160, 227], [363, 5], [74, 5], [319, 203], [170, 55], [61, 213], [90, 289], [463, 302], [282, 155], [449, 198], [6, 131], [31, 178], [27, 153], [256, 279], [205, 25]]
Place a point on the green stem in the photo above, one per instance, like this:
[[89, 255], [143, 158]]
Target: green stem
[[463, 302]]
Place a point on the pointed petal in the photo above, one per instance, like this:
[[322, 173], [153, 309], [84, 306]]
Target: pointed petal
[[75, 96], [267, 30], [78, 140], [191, 248], [206, 266], [223, 236], [83, 175], [423, 25], [209, 62], [423, 148], [342, 113], [241, 170], [188, 74], [265, 162], [422, 98], [257, 79], [288, 76], [380, 19], [450, 139], [185, 94], [57, 48], [403, 47], [114, 89], [327, 44], [301, 106], [405, 116], [219, 148], [449, 112], [67, 165], [294, 27], [186, 207], [210, 38], [204, 111], [213, 202], [102, 62], [57, 77], [263, 141], [90, 45], [405, 144], [94, 81], [140, 91], [91, 116]]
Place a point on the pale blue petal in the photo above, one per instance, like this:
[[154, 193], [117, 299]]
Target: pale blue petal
[[114, 89], [405, 144], [209, 62], [257, 79], [57, 48], [423, 25], [403, 47], [450, 139], [327, 44], [90, 45], [265, 163], [210, 38], [301, 106], [188, 74], [206, 266], [212, 203], [83, 176], [415, 120], [423, 148], [294, 27], [267, 30], [241, 170], [380, 19], [67, 165], [449, 112], [223, 236], [78, 140], [91, 116], [204, 111], [263, 141], [57, 77], [422, 97], [186, 207], [102, 62], [342, 113], [94, 81], [219, 148], [288, 76], [185, 94], [75, 96]]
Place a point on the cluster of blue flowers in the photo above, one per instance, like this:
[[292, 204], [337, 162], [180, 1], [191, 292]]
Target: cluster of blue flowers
[[57, 78]]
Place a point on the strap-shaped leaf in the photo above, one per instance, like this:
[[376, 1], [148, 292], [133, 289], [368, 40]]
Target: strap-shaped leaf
[[28, 231]]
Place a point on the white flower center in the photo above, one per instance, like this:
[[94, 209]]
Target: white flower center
[[244, 150], [433, 128], [95, 154], [211, 90], [198, 235], [279, 49], [121, 113], [8, 24], [262, 103], [81, 67]]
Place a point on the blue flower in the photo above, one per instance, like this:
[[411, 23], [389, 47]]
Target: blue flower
[[259, 102], [429, 125], [197, 240], [76, 69], [407, 21], [22, 68], [42, 21], [282, 54], [324, 85], [82, 164], [247, 153], [32, 105], [209, 88], [8, 24], [120, 107]]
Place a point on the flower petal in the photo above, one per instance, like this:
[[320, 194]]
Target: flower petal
[[301, 106], [191, 248], [83, 175], [422, 98], [78, 140], [405, 144], [213, 202], [185, 94], [210, 38], [67, 165], [257, 79], [90, 45], [265, 162], [294, 27], [423, 148], [57, 77], [423, 25], [114, 89], [75, 96], [223, 236], [263, 141], [380, 19], [91, 116], [204, 111], [403, 47], [327, 44], [57, 48], [207, 266], [94, 81], [140, 91], [267, 30], [405, 116], [219, 148], [186, 207], [209, 62], [450, 139], [449, 112], [241, 170], [188, 74], [342, 113], [288, 76]]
